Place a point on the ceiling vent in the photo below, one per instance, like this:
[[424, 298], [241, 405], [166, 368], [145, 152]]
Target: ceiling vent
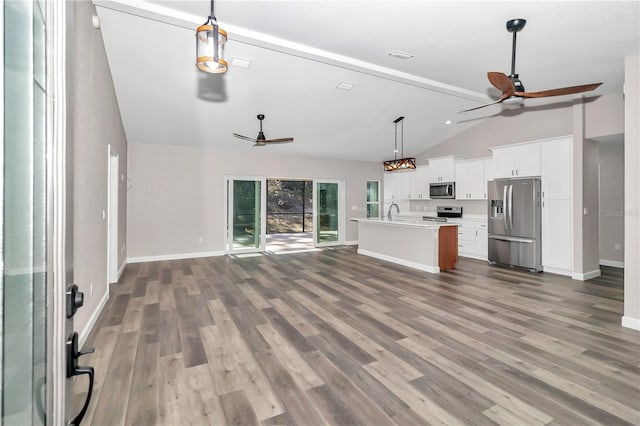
[[401, 55], [240, 62], [343, 85]]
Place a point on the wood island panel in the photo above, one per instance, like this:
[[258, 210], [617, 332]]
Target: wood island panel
[[447, 247]]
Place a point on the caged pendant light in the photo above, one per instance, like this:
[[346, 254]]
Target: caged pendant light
[[210, 44], [398, 164]]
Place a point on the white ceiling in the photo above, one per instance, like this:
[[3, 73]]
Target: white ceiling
[[301, 50]]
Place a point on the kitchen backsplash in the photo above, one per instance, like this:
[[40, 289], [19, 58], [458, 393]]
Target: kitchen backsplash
[[468, 206]]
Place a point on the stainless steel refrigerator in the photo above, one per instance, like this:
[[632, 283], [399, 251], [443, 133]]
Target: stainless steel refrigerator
[[514, 223]]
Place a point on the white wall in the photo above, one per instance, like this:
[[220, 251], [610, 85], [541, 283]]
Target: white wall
[[612, 201], [96, 124], [632, 193], [176, 202]]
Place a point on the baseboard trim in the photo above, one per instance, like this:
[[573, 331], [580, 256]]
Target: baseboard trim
[[176, 256], [121, 270], [473, 256], [351, 243], [82, 337], [558, 271], [586, 276], [410, 264], [614, 263], [630, 322]]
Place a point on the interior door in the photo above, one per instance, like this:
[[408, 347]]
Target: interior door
[[24, 216], [328, 213], [246, 214]]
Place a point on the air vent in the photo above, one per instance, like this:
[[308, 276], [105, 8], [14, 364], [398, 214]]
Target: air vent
[[401, 55], [343, 85], [241, 62]]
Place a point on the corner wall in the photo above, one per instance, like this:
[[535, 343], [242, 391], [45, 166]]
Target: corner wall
[[631, 317], [176, 202], [96, 124]]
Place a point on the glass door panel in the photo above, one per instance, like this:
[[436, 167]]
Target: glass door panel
[[23, 215], [328, 215], [246, 199]]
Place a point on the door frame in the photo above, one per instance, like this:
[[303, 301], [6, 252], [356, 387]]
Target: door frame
[[113, 160], [228, 218], [341, 212], [59, 211]]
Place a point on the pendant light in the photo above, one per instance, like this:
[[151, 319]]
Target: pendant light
[[399, 163], [210, 43]]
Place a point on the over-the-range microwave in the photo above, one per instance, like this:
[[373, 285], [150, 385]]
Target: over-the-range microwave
[[442, 190]]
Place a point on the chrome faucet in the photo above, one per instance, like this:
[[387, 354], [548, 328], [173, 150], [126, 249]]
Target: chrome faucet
[[389, 212]]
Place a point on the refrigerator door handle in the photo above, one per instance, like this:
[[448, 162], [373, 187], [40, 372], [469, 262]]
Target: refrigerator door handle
[[505, 210], [510, 208], [512, 239]]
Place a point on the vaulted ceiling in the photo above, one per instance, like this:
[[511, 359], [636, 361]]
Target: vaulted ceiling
[[301, 50]]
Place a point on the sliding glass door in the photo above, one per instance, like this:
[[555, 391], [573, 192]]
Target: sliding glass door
[[328, 220], [246, 208]]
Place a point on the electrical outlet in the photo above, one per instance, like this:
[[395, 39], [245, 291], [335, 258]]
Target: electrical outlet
[[616, 246]]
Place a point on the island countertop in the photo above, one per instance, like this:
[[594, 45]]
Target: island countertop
[[405, 222]]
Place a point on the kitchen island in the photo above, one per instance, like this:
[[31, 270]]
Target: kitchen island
[[428, 246]]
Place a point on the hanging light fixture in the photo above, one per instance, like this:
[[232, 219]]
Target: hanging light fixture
[[399, 163], [210, 43]]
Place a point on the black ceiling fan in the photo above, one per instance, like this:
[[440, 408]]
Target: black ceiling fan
[[512, 87], [261, 140]]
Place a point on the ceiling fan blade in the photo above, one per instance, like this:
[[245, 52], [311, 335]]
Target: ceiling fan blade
[[559, 92], [244, 137], [501, 82], [280, 140], [502, 98]]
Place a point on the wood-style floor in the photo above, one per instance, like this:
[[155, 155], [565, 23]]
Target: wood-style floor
[[332, 337]]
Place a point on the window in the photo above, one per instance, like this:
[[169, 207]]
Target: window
[[373, 198]]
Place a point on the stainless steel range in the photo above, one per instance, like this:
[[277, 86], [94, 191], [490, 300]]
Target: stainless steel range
[[443, 212]]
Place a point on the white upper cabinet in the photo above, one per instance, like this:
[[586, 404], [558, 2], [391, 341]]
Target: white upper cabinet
[[471, 183], [441, 170], [392, 186], [419, 184], [556, 169], [517, 160], [406, 184]]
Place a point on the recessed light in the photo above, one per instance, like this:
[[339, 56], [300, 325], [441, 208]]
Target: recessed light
[[448, 122], [400, 54], [241, 62], [343, 85]]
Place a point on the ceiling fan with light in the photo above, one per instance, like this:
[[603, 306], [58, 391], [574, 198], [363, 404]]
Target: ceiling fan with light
[[512, 87], [261, 140]]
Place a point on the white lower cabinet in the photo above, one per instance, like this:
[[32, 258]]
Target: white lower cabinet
[[472, 239], [556, 236], [482, 241]]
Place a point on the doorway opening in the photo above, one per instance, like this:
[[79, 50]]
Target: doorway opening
[[112, 217], [289, 215]]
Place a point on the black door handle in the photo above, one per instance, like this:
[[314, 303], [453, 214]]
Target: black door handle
[[73, 369], [78, 371]]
